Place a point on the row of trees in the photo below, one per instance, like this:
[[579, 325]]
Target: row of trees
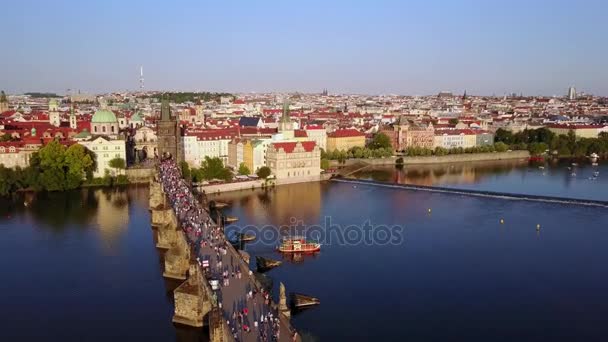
[[537, 141], [181, 97], [379, 147], [440, 151], [56, 167], [214, 169]]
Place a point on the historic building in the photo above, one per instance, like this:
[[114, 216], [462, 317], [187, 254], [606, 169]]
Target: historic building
[[104, 122], [285, 124], [405, 133], [345, 139], [169, 134], [294, 159], [3, 102], [105, 150]]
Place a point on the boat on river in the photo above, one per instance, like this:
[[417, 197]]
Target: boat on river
[[230, 219], [301, 301], [265, 264], [298, 244]]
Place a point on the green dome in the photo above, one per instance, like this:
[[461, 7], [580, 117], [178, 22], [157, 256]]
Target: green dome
[[137, 117], [104, 116]]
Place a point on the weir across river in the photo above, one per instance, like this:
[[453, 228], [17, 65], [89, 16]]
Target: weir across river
[[479, 193], [238, 308]]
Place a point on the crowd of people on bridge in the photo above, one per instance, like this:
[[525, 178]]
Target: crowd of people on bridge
[[209, 244]]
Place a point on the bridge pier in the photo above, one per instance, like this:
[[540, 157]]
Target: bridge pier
[[192, 300], [157, 196], [177, 258]]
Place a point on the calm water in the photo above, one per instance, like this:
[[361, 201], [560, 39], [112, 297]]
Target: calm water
[[79, 266], [82, 265], [515, 176]]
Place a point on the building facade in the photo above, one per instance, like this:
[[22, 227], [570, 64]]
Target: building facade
[[294, 159], [169, 134], [105, 150], [345, 139]]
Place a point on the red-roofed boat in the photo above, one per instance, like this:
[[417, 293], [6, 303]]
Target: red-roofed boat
[[298, 244]]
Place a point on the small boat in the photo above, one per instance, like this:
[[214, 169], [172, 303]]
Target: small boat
[[265, 264], [574, 164], [593, 156], [299, 301], [594, 164], [230, 219], [541, 167], [220, 205], [297, 244], [246, 237]]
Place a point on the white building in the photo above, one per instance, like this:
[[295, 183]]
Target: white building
[[210, 144], [106, 150], [318, 134]]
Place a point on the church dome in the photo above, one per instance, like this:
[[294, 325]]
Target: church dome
[[137, 117], [104, 116]]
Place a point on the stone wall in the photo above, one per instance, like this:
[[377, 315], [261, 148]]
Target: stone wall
[[140, 175], [248, 185], [452, 158]]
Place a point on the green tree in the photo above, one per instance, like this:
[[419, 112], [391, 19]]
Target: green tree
[[186, 172], [244, 170], [453, 121], [78, 160], [52, 155], [501, 147], [5, 137], [324, 164], [117, 163], [380, 140], [264, 172], [213, 168]]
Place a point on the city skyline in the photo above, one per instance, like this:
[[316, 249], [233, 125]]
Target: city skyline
[[377, 48]]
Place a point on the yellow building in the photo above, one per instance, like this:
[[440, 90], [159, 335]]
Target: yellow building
[[581, 131], [345, 139]]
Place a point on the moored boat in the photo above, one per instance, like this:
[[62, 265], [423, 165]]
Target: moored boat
[[297, 244], [230, 219], [265, 264], [300, 301], [246, 237]]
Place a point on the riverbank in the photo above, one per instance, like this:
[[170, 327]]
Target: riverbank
[[259, 183], [451, 158]]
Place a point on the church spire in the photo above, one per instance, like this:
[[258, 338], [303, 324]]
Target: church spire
[[285, 117], [165, 111]]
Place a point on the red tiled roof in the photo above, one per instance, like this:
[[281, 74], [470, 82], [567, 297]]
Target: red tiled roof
[[289, 147], [343, 133], [300, 133]]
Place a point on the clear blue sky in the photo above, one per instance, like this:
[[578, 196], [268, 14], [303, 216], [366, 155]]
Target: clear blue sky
[[374, 46]]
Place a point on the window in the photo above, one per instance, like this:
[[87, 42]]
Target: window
[[112, 128], [95, 129]]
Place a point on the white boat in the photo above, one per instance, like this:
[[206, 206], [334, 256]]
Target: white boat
[[593, 156]]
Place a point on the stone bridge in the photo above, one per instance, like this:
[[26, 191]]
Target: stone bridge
[[196, 303]]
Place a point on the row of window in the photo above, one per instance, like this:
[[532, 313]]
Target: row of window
[[103, 129], [10, 149]]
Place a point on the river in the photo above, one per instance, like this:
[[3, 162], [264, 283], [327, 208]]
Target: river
[[82, 265]]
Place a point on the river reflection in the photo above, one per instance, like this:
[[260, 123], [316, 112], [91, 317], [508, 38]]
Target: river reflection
[[511, 176], [82, 265]]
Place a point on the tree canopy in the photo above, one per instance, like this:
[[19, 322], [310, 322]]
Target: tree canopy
[[264, 172], [244, 170], [212, 168], [380, 140]]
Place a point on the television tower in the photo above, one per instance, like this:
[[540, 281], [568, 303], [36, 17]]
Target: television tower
[[141, 78]]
